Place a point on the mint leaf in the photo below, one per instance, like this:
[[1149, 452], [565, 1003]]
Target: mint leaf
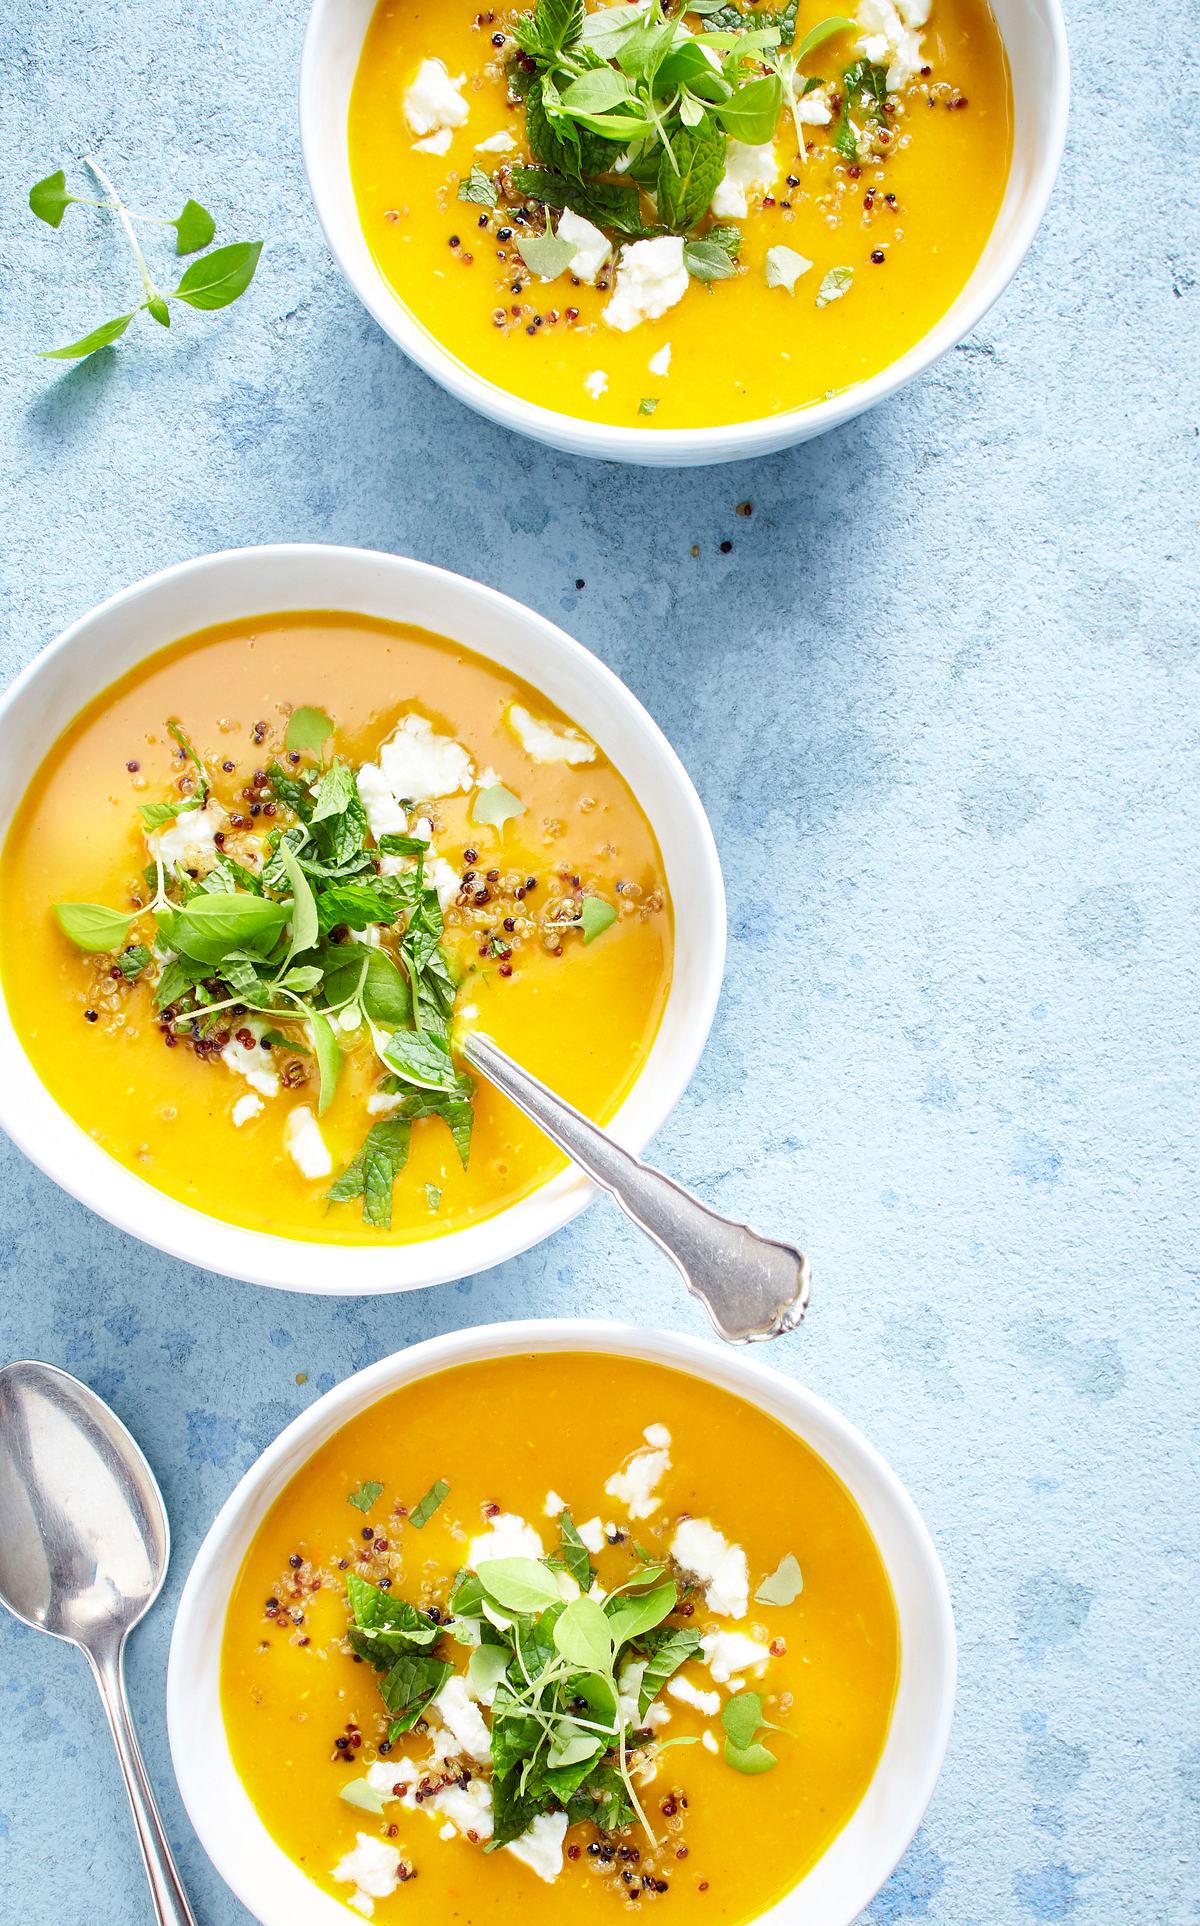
[[685, 189], [133, 961], [478, 188], [372, 1174], [420, 1514], [92, 927], [573, 1553], [218, 278], [647, 405], [835, 284], [194, 228], [101, 337], [669, 1648], [365, 1496], [608, 204], [422, 1060], [708, 261], [408, 1688], [308, 731]]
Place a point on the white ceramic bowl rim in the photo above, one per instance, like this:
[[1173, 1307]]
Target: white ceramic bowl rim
[[238, 583], [858, 1861], [1035, 38]]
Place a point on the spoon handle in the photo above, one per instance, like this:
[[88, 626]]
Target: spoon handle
[[751, 1286], [170, 1902]]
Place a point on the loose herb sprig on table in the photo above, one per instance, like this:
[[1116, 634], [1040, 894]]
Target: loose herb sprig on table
[[211, 282], [560, 1738], [236, 941], [627, 86]]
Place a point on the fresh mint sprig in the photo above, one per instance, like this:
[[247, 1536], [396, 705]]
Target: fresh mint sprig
[[213, 281]]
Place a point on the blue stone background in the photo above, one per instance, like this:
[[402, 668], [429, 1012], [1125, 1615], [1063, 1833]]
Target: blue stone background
[[940, 703]]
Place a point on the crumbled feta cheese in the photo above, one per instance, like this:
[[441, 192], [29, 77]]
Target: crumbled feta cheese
[[252, 1062], [592, 1534], [709, 1742], [245, 1108], [467, 1807], [434, 101], [548, 741], [651, 278], [568, 1587], [660, 363], [592, 248], [384, 814], [501, 143], [191, 839], [373, 1867], [541, 1848], [383, 1103], [554, 1506], [305, 1145], [421, 765], [747, 170], [438, 143], [813, 109], [446, 1831], [721, 1568], [463, 1726], [444, 878], [596, 384], [688, 1694], [658, 1436], [728, 1652], [422, 829], [508, 1536], [633, 1486], [892, 34]]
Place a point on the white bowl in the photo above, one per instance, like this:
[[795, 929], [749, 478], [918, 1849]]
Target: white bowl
[[95, 651], [1036, 41], [865, 1852]]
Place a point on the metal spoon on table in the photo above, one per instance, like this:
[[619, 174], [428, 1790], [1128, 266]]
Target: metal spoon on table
[[751, 1286], [84, 1544]]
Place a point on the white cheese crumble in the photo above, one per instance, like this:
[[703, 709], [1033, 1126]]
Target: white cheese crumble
[[709, 1743], [721, 1568], [252, 1063], [245, 1108], [305, 1145], [464, 1730], [508, 1536], [596, 383], [660, 363], [593, 1535], [658, 1436], [554, 1505], [469, 1807], [382, 1103], [748, 170], [434, 102], [813, 109], [439, 874], [541, 1848], [548, 741], [728, 1652], [629, 1685], [501, 143], [421, 765], [651, 278], [892, 34], [384, 814], [438, 143], [373, 1868], [688, 1694], [592, 248], [633, 1486], [191, 838]]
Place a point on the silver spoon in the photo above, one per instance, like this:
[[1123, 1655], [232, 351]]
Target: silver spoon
[[84, 1544], [751, 1286]]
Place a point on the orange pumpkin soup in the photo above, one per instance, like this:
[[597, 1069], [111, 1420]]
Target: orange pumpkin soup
[[676, 222], [259, 886], [558, 1636]]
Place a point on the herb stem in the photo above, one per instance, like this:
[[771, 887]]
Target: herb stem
[[122, 213]]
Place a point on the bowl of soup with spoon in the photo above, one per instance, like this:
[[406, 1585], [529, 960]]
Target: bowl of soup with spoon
[[678, 1638], [680, 234], [280, 826]]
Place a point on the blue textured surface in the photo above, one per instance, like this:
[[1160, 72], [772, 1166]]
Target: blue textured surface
[[939, 701]]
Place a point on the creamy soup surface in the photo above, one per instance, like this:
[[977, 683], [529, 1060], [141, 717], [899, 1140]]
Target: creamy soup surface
[[698, 1635], [825, 198], [279, 1048]]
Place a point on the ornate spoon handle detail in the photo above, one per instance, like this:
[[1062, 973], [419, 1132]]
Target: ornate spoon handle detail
[[751, 1286]]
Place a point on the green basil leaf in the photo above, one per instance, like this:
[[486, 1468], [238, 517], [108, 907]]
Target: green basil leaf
[[421, 1513], [752, 115], [158, 310], [208, 927], [784, 1585], [486, 1667], [583, 1637], [518, 1584], [308, 731], [632, 1616], [218, 278], [329, 1058], [305, 923], [92, 927], [101, 337], [595, 91], [194, 228], [365, 1496]]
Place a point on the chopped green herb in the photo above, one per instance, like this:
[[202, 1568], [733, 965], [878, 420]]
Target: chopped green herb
[[420, 1514], [308, 731], [835, 284], [495, 806], [479, 188], [595, 917], [784, 267], [366, 1495], [433, 1196], [647, 405], [784, 1585]]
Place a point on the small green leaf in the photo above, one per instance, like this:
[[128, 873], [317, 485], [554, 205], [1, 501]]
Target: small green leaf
[[486, 1667], [784, 267], [595, 917], [329, 1058], [133, 961], [583, 1636], [306, 924], [836, 283], [742, 1715], [422, 1060], [518, 1584], [751, 1759], [158, 309], [545, 254], [686, 188], [632, 1616], [308, 731], [101, 337], [421, 1513], [194, 228], [495, 806], [363, 1795], [366, 1495], [302, 980], [708, 261], [647, 405], [433, 1196], [209, 926], [752, 115], [218, 278], [478, 188], [784, 1585], [93, 927], [49, 199]]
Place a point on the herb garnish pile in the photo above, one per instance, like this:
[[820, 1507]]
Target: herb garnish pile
[[561, 1740], [627, 116], [278, 942]]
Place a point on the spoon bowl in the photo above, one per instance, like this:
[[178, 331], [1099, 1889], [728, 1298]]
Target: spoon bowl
[[84, 1545]]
